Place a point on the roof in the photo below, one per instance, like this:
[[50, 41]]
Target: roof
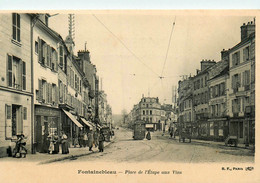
[[249, 38]]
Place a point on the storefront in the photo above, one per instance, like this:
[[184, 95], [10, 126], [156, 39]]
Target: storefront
[[236, 128], [47, 122], [70, 125], [218, 129]]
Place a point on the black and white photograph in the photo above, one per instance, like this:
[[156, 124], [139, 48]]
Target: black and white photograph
[[128, 87]]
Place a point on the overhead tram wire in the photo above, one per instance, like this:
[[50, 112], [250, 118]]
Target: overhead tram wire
[[123, 44], [169, 43]]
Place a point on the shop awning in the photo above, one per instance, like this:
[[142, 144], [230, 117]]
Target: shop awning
[[73, 118], [87, 123]]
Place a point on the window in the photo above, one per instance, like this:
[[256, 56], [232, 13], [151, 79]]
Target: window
[[36, 47], [151, 112], [236, 81], [44, 91], [25, 113], [80, 86], [236, 58], [61, 57], [16, 27], [246, 54], [16, 73], [143, 112], [14, 115], [246, 78]]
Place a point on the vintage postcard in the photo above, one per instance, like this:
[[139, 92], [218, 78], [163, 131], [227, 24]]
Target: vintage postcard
[[128, 96]]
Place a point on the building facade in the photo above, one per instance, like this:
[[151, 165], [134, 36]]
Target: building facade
[[218, 125], [241, 88], [16, 95]]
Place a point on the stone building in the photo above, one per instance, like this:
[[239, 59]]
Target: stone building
[[242, 86], [16, 91], [217, 128], [185, 104], [201, 98]]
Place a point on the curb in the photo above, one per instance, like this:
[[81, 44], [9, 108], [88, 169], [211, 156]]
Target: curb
[[72, 156]]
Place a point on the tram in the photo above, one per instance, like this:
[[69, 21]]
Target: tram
[[139, 130]]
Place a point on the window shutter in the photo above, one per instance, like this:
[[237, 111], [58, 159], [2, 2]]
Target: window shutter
[[47, 93], [40, 90], [252, 50], [233, 82], [243, 78], [56, 94], [24, 76], [233, 60], [244, 54], [56, 60], [9, 71], [50, 90], [39, 50], [8, 121], [238, 57], [48, 56], [239, 79], [19, 129]]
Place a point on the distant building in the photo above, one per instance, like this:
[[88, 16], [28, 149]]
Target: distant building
[[201, 98], [217, 128]]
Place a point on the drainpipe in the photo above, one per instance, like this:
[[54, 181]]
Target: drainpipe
[[32, 89]]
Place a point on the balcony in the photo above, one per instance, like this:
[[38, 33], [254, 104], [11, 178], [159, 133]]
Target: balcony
[[201, 116]]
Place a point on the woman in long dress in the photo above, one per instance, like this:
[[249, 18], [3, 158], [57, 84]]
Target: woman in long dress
[[56, 143], [64, 144], [101, 139], [90, 140]]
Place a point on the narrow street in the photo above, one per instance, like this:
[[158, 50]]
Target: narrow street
[[161, 148]]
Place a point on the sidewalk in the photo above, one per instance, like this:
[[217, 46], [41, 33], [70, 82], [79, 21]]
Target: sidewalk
[[44, 158], [203, 142]]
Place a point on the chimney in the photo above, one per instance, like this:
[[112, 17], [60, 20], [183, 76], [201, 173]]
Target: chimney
[[247, 29], [84, 55], [206, 64], [224, 55]]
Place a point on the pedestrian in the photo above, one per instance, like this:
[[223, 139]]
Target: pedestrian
[[95, 135], [148, 136], [75, 140], [85, 139], [51, 146], [90, 140], [101, 140], [56, 141], [171, 132], [46, 142], [81, 138], [64, 143]]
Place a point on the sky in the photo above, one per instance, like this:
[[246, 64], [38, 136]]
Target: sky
[[129, 48]]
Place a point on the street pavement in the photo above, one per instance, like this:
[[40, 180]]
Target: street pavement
[[163, 148]]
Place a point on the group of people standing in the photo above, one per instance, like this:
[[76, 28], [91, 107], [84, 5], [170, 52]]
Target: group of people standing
[[96, 139], [52, 142]]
